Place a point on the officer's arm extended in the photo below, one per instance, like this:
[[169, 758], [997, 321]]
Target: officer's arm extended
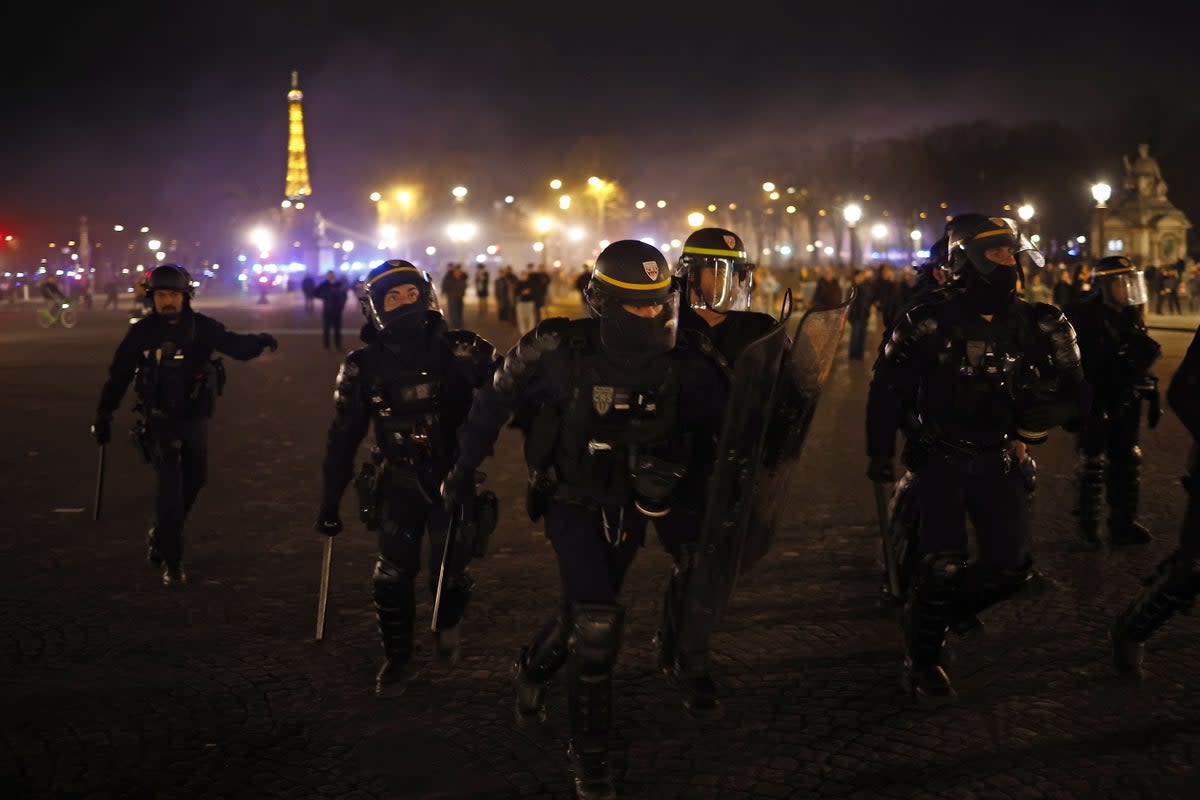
[[242, 346], [350, 422], [497, 401], [893, 385]]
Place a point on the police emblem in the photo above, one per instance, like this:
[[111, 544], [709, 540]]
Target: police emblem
[[732, 242], [651, 268], [602, 399]]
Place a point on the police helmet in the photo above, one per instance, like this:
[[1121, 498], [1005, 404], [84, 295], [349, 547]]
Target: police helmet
[[725, 254], [634, 274], [170, 278], [970, 237], [1120, 281], [391, 275]]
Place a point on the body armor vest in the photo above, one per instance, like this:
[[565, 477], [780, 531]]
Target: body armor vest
[[172, 383], [613, 415], [408, 425]]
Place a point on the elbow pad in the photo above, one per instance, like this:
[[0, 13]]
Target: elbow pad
[[1064, 349], [522, 360]]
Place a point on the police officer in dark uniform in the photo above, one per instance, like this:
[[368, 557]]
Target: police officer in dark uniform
[[1176, 582], [618, 402], [716, 279], [1117, 356], [972, 376], [170, 353], [415, 379]]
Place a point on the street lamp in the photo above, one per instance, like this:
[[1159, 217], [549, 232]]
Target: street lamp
[[852, 214], [1100, 193], [601, 189], [459, 192], [695, 219]]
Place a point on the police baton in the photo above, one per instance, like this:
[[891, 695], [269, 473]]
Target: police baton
[[889, 554], [323, 596], [451, 531], [99, 484]]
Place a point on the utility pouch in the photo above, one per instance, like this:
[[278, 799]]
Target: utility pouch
[[542, 487]]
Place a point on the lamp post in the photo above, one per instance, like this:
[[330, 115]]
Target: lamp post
[[852, 214], [1025, 212], [1100, 193]]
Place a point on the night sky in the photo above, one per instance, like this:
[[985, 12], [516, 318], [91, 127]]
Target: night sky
[[157, 111]]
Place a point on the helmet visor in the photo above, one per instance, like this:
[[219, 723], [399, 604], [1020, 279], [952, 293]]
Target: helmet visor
[[1126, 289], [722, 285]]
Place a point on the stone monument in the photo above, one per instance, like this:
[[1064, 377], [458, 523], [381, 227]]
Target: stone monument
[[1141, 223]]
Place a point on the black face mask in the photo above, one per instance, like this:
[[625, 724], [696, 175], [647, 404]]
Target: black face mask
[[992, 293], [629, 336]]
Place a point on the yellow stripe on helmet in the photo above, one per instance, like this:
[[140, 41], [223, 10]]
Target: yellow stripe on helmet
[[389, 272], [997, 232], [664, 283], [708, 251]]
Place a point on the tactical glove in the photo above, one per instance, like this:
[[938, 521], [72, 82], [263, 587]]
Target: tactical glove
[[328, 522], [881, 470], [268, 342], [458, 489], [102, 429], [1035, 422]]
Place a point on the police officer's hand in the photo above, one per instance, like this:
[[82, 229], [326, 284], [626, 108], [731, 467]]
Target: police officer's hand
[[459, 487], [268, 341], [1034, 422], [881, 470], [102, 429], [328, 522]]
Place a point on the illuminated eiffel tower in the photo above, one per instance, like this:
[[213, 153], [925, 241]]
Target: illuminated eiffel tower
[[304, 242]]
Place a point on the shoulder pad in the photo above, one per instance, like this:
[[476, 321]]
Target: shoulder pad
[[1048, 317], [470, 347], [349, 378], [915, 324]]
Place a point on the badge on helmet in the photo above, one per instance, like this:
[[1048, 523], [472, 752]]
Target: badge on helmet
[[397, 295]]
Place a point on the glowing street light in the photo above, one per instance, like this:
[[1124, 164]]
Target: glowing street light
[[852, 214], [376, 197], [1025, 212], [556, 184], [695, 219], [347, 246], [154, 244], [564, 202], [768, 187], [1100, 193], [459, 192], [879, 231], [261, 238], [915, 235], [543, 225], [118, 228]]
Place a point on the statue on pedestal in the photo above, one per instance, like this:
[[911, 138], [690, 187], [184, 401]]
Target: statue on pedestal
[[1144, 176]]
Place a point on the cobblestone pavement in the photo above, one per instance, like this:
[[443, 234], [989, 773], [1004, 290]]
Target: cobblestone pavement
[[114, 687]]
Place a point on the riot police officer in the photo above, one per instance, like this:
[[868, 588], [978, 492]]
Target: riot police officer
[[616, 399], [1117, 356], [415, 379], [716, 279], [973, 376], [177, 383], [1176, 582]]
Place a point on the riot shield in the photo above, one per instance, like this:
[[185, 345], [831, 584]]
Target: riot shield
[[776, 385], [802, 376], [900, 539]]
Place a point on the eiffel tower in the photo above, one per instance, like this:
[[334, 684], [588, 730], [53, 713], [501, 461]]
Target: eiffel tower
[[303, 243]]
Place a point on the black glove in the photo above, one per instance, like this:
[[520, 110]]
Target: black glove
[[328, 522], [881, 470], [102, 429], [458, 489], [1034, 423], [268, 342]]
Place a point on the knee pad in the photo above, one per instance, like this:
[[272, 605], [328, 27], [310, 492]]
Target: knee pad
[[392, 583], [544, 656], [1091, 468], [595, 636], [458, 583]]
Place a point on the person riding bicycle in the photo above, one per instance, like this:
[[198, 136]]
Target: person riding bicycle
[[53, 294]]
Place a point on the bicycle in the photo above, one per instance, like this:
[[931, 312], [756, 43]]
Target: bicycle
[[61, 313]]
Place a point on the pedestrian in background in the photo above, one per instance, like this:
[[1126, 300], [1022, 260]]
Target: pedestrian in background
[[332, 294]]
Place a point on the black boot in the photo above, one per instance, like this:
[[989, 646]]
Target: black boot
[[173, 574], [1172, 587], [395, 608], [535, 667], [929, 612], [594, 641], [1089, 481], [1124, 485], [152, 554], [456, 594]]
